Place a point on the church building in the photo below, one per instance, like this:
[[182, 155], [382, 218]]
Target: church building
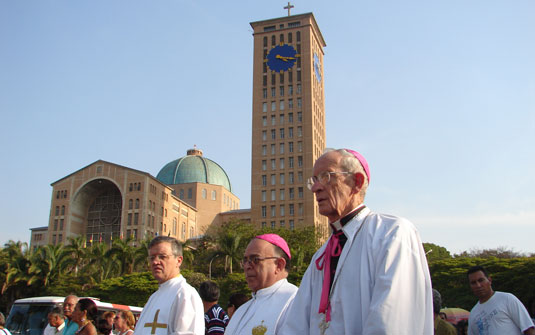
[[104, 201]]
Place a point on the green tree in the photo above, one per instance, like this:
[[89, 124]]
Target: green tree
[[128, 255], [132, 289], [434, 252], [99, 266], [77, 249], [17, 256], [47, 264], [228, 246]]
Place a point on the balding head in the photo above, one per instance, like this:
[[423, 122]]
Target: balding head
[[68, 305]]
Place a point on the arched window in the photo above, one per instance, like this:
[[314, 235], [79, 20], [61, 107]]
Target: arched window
[[62, 210], [214, 195], [265, 41], [137, 203], [130, 203]]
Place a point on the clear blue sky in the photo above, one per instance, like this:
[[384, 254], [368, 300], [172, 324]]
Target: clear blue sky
[[438, 95]]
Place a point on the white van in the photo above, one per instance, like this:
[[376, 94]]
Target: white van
[[28, 316]]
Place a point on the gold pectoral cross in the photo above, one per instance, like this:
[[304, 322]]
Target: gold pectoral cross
[[155, 323]]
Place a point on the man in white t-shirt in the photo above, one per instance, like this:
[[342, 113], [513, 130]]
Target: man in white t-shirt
[[496, 312]]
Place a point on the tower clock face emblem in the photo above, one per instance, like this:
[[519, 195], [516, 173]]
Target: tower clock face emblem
[[281, 58], [317, 67]]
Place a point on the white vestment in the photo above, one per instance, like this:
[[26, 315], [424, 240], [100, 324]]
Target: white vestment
[[265, 309], [175, 309], [381, 285]]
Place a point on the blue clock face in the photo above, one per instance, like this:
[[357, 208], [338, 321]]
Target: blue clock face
[[317, 67], [282, 58]]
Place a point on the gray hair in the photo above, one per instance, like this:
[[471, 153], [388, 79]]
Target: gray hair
[[176, 247], [351, 164], [56, 311]]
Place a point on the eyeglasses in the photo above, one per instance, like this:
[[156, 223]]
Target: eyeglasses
[[255, 260], [323, 178], [160, 257]]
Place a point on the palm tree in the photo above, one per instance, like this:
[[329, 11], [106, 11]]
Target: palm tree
[[48, 263], [78, 251], [17, 257], [228, 245], [127, 254], [187, 253], [100, 266]]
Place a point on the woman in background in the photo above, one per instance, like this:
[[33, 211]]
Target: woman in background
[[124, 323], [85, 313]]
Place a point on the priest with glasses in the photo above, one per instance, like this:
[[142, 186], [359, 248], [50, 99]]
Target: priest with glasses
[[266, 262], [371, 276]]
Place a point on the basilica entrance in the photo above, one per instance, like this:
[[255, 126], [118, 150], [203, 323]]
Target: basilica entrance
[[101, 202]]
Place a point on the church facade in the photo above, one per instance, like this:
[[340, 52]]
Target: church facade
[[105, 201]]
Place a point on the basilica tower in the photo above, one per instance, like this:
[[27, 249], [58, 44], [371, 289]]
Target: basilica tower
[[288, 130]]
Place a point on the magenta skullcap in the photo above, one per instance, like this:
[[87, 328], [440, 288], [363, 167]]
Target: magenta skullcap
[[276, 240], [362, 161]]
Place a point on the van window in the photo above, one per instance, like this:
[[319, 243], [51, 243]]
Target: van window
[[28, 319]]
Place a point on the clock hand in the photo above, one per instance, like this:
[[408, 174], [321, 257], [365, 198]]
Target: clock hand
[[285, 59]]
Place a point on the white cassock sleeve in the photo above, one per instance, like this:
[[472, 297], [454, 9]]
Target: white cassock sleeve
[[400, 297], [186, 315]]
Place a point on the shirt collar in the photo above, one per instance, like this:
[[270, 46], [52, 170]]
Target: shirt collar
[[61, 327], [339, 224], [351, 228], [269, 290]]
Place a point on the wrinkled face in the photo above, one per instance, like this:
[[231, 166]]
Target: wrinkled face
[[68, 306], [264, 274], [119, 321], [481, 285], [163, 264], [336, 198], [55, 320]]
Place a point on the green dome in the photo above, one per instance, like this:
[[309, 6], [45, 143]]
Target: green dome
[[194, 168]]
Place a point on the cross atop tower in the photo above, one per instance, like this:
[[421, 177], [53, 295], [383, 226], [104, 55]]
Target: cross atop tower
[[289, 7]]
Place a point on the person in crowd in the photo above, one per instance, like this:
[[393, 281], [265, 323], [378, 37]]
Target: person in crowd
[[215, 318], [266, 263], [69, 303], [495, 312], [85, 313], [462, 327], [176, 307], [371, 276], [109, 316], [3, 331], [442, 327], [56, 322], [234, 302], [103, 327], [124, 323]]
